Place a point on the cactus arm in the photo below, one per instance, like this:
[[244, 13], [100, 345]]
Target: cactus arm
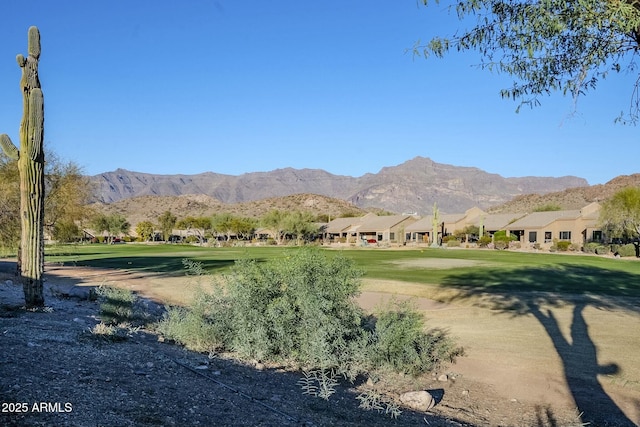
[[9, 147], [34, 42]]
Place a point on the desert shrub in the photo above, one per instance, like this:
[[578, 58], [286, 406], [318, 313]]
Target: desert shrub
[[596, 248], [191, 239], [548, 207], [562, 245], [484, 241], [453, 243], [200, 327], [399, 342], [299, 308], [624, 250], [501, 245], [116, 304]]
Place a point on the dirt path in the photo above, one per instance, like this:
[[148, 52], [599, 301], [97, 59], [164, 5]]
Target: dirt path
[[520, 370]]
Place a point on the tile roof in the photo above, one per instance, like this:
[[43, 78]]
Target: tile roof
[[382, 223], [541, 219]]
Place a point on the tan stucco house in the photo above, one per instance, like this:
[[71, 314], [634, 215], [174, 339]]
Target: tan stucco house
[[543, 228]]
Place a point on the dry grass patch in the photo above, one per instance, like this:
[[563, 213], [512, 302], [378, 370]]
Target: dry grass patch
[[441, 263]]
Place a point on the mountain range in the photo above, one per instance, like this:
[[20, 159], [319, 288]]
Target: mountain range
[[413, 186]]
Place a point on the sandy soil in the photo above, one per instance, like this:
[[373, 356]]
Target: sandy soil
[[541, 368]]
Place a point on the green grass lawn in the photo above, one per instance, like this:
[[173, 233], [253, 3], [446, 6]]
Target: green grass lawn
[[467, 270]]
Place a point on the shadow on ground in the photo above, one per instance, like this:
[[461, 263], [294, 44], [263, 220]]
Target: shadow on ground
[[565, 285]]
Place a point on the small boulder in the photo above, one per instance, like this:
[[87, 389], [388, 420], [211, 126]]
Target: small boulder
[[419, 400]]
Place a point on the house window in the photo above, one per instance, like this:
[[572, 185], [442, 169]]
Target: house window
[[548, 237], [565, 235], [596, 236], [533, 236], [379, 237], [392, 236]]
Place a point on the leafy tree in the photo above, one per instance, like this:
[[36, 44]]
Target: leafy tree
[[244, 227], [198, 225], [301, 225], [467, 232], [66, 231], [167, 221], [620, 215], [229, 225], [223, 224], [144, 230], [549, 45], [275, 220], [113, 225], [67, 193]]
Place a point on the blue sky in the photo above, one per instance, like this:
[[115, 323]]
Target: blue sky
[[234, 86]]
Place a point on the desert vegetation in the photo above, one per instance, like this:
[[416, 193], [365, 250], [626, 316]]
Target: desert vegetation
[[300, 309]]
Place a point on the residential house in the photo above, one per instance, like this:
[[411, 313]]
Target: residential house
[[543, 228], [422, 230], [496, 222], [388, 229], [344, 229]]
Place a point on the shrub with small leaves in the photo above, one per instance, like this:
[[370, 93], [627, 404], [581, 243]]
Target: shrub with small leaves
[[116, 304], [205, 325], [372, 400], [400, 343], [300, 308], [319, 383]]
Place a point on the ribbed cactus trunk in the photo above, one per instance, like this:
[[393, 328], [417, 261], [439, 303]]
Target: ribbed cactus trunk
[[31, 167]]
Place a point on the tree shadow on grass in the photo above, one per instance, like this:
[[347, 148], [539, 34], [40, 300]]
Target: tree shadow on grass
[[533, 291], [169, 265]]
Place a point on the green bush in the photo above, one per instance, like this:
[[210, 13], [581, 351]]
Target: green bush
[[501, 244], [116, 304], [596, 248], [202, 327], [484, 241], [627, 250], [501, 240], [562, 245], [400, 343], [301, 309], [453, 243]]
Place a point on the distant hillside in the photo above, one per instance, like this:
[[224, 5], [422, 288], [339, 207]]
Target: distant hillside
[[149, 208], [572, 198], [413, 186]]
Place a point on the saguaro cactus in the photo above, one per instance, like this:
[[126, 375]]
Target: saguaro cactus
[[435, 222], [30, 159]]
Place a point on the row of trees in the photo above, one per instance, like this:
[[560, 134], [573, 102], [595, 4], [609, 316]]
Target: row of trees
[[281, 224]]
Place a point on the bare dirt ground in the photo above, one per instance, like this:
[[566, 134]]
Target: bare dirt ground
[[519, 370]]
